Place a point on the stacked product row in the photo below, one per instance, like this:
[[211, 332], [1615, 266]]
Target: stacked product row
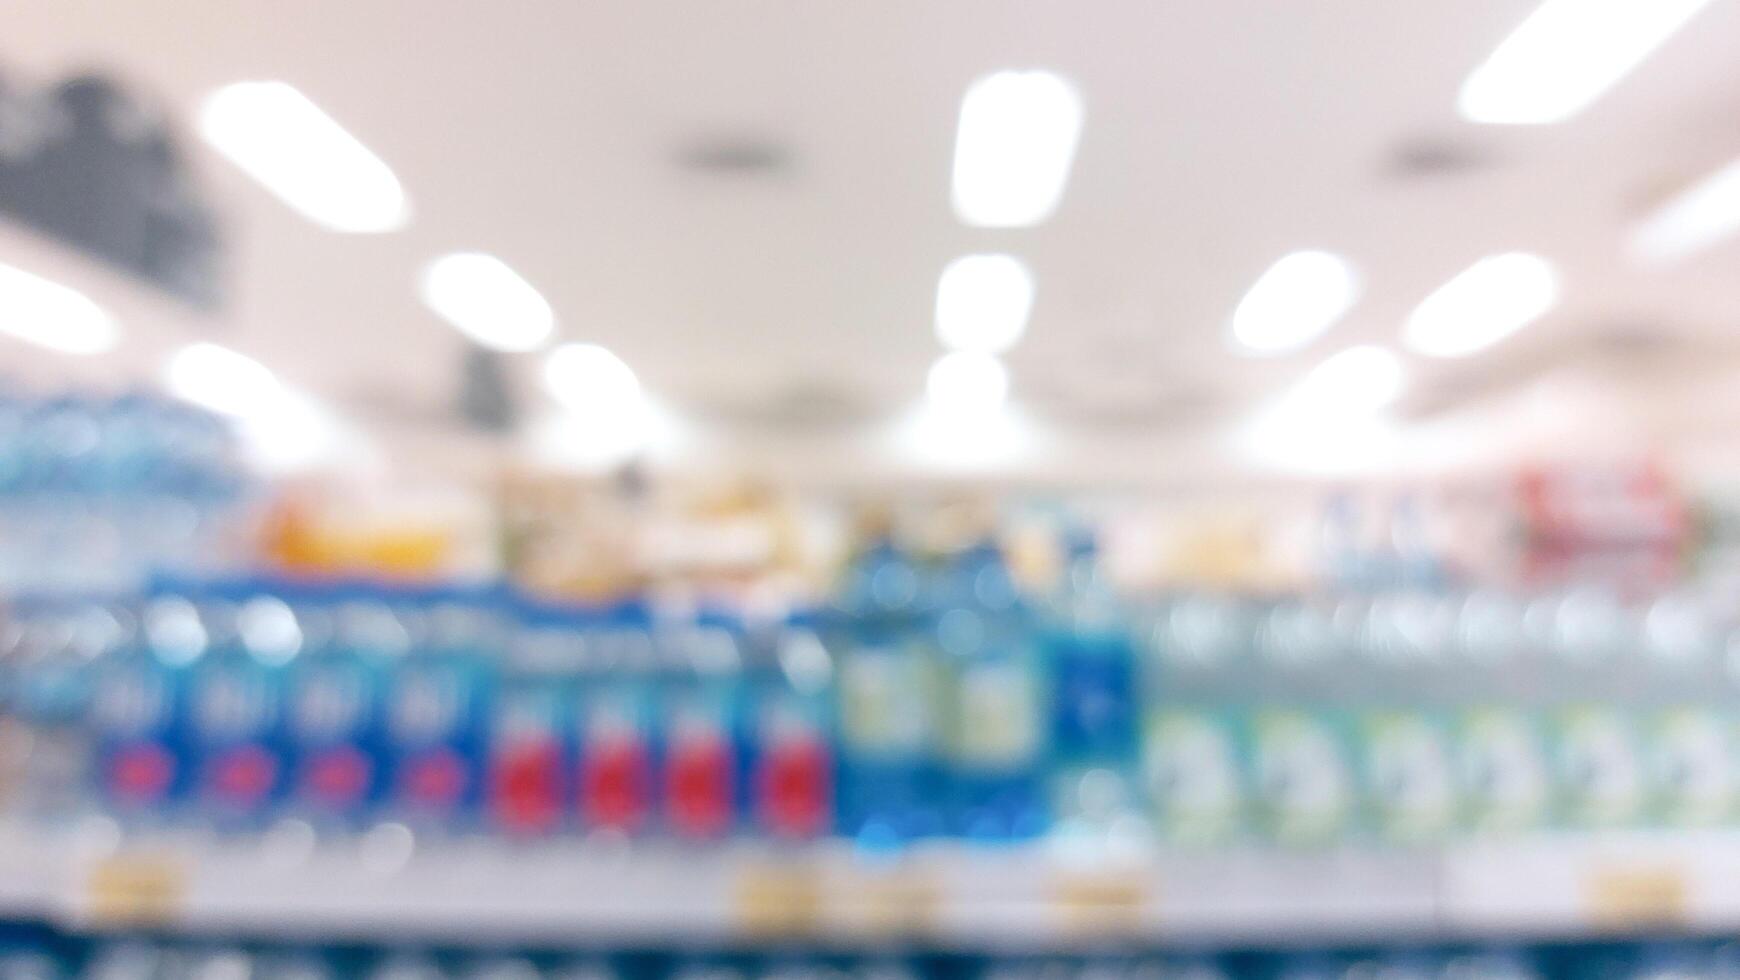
[[38, 957], [94, 492], [930, 701]]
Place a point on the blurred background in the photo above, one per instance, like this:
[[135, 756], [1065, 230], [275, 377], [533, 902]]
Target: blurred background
[[899, 491]]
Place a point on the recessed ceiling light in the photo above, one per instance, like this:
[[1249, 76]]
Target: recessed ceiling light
[[1357, 380], [982, 303], [47, 314], [308, 161], [589, 379], [1014, 147], [967, 383], [1695, 219], [1482, 305], [1294, 302], [1565, 55], [221, 379], [486, 300]]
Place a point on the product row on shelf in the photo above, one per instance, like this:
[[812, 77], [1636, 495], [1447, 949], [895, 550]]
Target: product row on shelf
[[46, 957], [928, 702], [95, 492]]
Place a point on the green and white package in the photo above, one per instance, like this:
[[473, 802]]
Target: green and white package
[[1503, 780], [1195, 775], [1302, 776], [1407, 777]]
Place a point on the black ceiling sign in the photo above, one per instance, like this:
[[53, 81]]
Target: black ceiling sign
[[89, 164]]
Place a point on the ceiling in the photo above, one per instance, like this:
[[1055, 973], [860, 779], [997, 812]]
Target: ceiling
[[775, 311]]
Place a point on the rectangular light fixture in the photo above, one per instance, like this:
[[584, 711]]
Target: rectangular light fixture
[[1565, 55], [982, 303], [1014, 147], [1294, 302], [48, 314], [304, 158], [1698, 217], [1482, 305], [221, 379], [486, 300], [1359, 379]]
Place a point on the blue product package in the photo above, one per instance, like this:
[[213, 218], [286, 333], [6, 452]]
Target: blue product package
[[700, 696], [790, 731], [437, 720], [890, 785], [531, 728], [237, 702], [617, 736], [138, 712], [338, 687], [995, 704], [1092, 662]]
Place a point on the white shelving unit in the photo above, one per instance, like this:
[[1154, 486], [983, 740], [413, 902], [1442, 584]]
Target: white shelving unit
[[385, 886]]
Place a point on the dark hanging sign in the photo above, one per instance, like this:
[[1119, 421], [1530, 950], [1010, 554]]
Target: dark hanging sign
[[85, 162]]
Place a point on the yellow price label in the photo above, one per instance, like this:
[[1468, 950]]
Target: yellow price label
[[778, 901], [135, 891], [1102, 905], [899, 903], [1637, 896]]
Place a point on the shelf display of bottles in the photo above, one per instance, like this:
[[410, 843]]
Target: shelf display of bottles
[[931, 701], [95, 492]]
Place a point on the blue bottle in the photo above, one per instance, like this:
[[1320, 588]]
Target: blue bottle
[[45, 688], [238, 702], [531, 728], [338, 689], [1092, 659], [437, 711], [790, 728], [890, 785], [139, 712], [702, 759], [996, 697], [617, 744]]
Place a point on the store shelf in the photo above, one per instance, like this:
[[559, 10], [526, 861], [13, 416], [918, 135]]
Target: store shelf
[[384, 886]]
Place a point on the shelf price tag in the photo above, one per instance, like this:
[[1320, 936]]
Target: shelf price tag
[[1101, 904], [1625, 896], [893, 903], [777, 900], [135, 891]]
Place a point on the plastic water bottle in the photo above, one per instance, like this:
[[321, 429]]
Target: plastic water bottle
[[337, 704], [1094, 694], [618, 752], [997, 695], [238, 705], [437, 707], [790, 730], [890, 779], [531, 735], [139, 712], [703, 757]]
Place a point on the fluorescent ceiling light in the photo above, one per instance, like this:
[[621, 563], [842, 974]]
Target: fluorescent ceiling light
[[222, 380], [1695, 219], [966, 383], [47, 314], [487, 301], [308, 161], [1014, 147], [1294, 302], [982, 303], [1482, 305], [589, 380], [1358, 380], [1565, 55]]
